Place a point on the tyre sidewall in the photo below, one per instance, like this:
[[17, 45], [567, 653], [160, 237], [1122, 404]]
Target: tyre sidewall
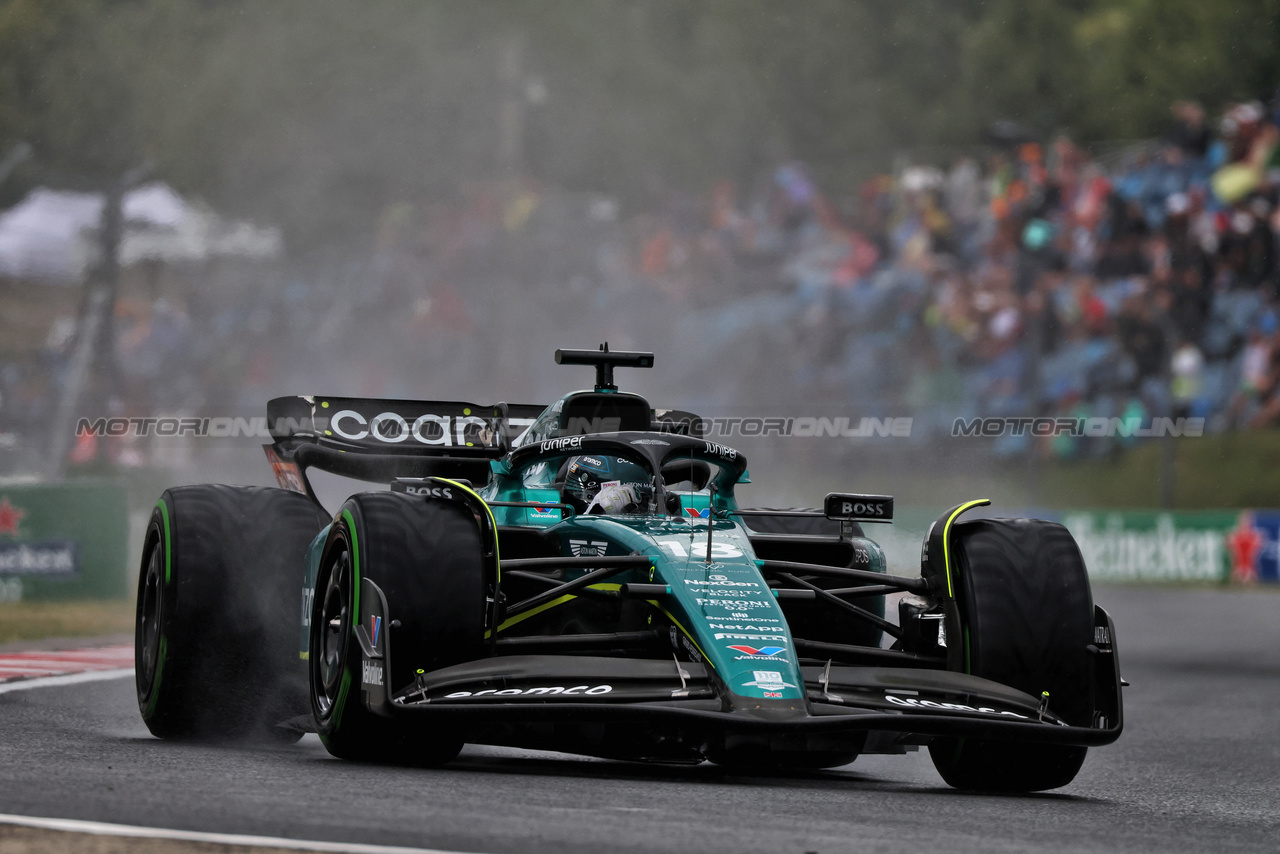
[[425, 555], [233, 560]]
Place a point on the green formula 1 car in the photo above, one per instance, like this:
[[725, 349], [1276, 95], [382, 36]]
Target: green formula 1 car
[[580, 577]]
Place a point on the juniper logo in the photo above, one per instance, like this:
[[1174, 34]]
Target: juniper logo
[[1097, 427]]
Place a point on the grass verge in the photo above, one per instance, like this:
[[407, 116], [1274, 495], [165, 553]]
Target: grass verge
[[21, 621]]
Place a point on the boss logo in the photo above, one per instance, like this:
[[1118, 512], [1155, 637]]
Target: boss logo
[[840, 506], [433, 491]]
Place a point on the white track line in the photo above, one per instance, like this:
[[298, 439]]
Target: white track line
[[101, 829], [71, 679], [60, 666]]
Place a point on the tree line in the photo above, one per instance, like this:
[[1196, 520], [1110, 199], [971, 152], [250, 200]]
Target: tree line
[[318, 113]]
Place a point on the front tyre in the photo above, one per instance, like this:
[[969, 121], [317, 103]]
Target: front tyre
[[1023, 616], [426, 556]]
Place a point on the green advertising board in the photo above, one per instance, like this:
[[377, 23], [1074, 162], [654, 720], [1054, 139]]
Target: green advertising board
[[1131, 545], [1153, 545], [63, 541]]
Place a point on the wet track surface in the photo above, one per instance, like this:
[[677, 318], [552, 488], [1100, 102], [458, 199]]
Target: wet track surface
[[1198, 769]]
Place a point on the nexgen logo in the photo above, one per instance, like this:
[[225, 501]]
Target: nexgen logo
[[393, 428]]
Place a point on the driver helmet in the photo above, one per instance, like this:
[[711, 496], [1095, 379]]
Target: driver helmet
[[608, 485]]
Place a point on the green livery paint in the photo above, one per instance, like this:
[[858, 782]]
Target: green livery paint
[[719, 601]]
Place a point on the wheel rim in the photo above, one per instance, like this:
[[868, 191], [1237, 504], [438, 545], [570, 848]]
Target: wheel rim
[[329, 634], [150, 616]]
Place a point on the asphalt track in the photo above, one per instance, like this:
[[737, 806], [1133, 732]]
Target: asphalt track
[[1198, 769]]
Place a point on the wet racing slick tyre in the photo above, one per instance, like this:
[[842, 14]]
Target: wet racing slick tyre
[[425, 555], [1026, 618], [219, 593]]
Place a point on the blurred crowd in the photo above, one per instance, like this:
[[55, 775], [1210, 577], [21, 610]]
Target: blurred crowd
[[1037, 280], [1052, 283], [1045, 282]]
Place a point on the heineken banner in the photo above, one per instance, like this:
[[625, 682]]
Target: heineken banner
[[63, 541], [1154, 546], [1241, 546]]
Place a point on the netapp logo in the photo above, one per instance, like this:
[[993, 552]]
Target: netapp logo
[[531, 692]]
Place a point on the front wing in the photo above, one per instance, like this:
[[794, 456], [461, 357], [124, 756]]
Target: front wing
[[906, 702]]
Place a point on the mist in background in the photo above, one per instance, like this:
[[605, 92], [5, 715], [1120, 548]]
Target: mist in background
[[458, 189]]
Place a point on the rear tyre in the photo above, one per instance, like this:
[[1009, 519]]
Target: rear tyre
[[426, 557], [216, 647], [1023, 617]]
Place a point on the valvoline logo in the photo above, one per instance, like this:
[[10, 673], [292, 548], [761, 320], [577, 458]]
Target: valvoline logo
[[764, 650], [696, 513], [377, 628]]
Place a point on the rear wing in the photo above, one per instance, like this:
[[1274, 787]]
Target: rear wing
[[378, 440], [387, 426]]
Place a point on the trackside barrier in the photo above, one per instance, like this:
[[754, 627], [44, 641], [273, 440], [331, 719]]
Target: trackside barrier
[[1147, 546], [64, 541]]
